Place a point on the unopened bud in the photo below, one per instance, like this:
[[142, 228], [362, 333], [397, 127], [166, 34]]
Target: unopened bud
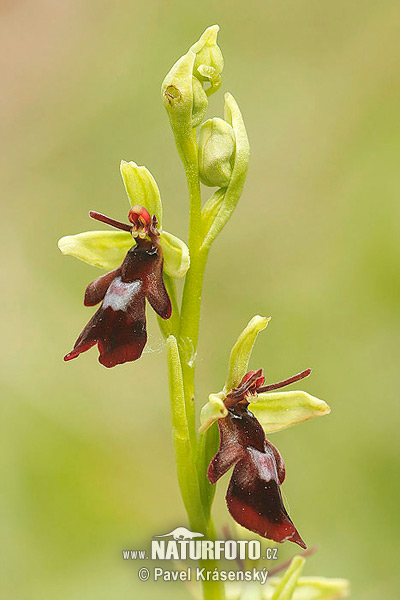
[[216, 152], [209, 62]]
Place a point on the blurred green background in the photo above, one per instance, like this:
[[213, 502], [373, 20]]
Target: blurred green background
[[87, 459]]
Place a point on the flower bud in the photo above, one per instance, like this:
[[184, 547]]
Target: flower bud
[[216, 152], [182, 90], [209, 62]]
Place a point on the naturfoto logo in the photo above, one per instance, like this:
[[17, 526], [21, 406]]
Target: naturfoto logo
[[184, 545]]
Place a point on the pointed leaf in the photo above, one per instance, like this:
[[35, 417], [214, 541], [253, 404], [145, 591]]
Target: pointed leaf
[[241, 351], [278, 410]]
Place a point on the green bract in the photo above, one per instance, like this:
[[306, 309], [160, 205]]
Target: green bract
[[279, 410], [210, 210], [216, 149], [239, 163], [107, 249]]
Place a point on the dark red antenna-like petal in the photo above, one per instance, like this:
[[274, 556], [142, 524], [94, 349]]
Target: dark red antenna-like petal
[[112, 222]]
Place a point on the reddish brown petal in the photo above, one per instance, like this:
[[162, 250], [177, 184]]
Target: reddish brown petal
[[96, 290], [254, 498], [230, 450], [156, 293]]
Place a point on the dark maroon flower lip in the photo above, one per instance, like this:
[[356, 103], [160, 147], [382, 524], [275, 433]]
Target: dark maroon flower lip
[[119, 325], [253, 497]]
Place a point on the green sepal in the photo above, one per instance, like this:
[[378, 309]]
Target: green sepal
[[241, 352], [104, 249], [107, 250], [278, 410], [142, 189], [239, 171]]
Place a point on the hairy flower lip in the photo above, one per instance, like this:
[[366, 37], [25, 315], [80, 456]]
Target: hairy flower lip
[[253, 497]]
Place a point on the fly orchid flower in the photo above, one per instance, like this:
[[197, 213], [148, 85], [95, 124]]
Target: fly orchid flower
[[119, 325], [254, 497], [137, 254]]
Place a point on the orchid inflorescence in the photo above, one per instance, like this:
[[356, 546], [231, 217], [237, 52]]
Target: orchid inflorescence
[[142, 262]]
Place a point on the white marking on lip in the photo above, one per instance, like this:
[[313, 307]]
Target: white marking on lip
[[119, 294]]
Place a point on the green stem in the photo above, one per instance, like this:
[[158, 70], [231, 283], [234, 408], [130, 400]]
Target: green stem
[[186, 465], [191, 297], [181, 364]]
